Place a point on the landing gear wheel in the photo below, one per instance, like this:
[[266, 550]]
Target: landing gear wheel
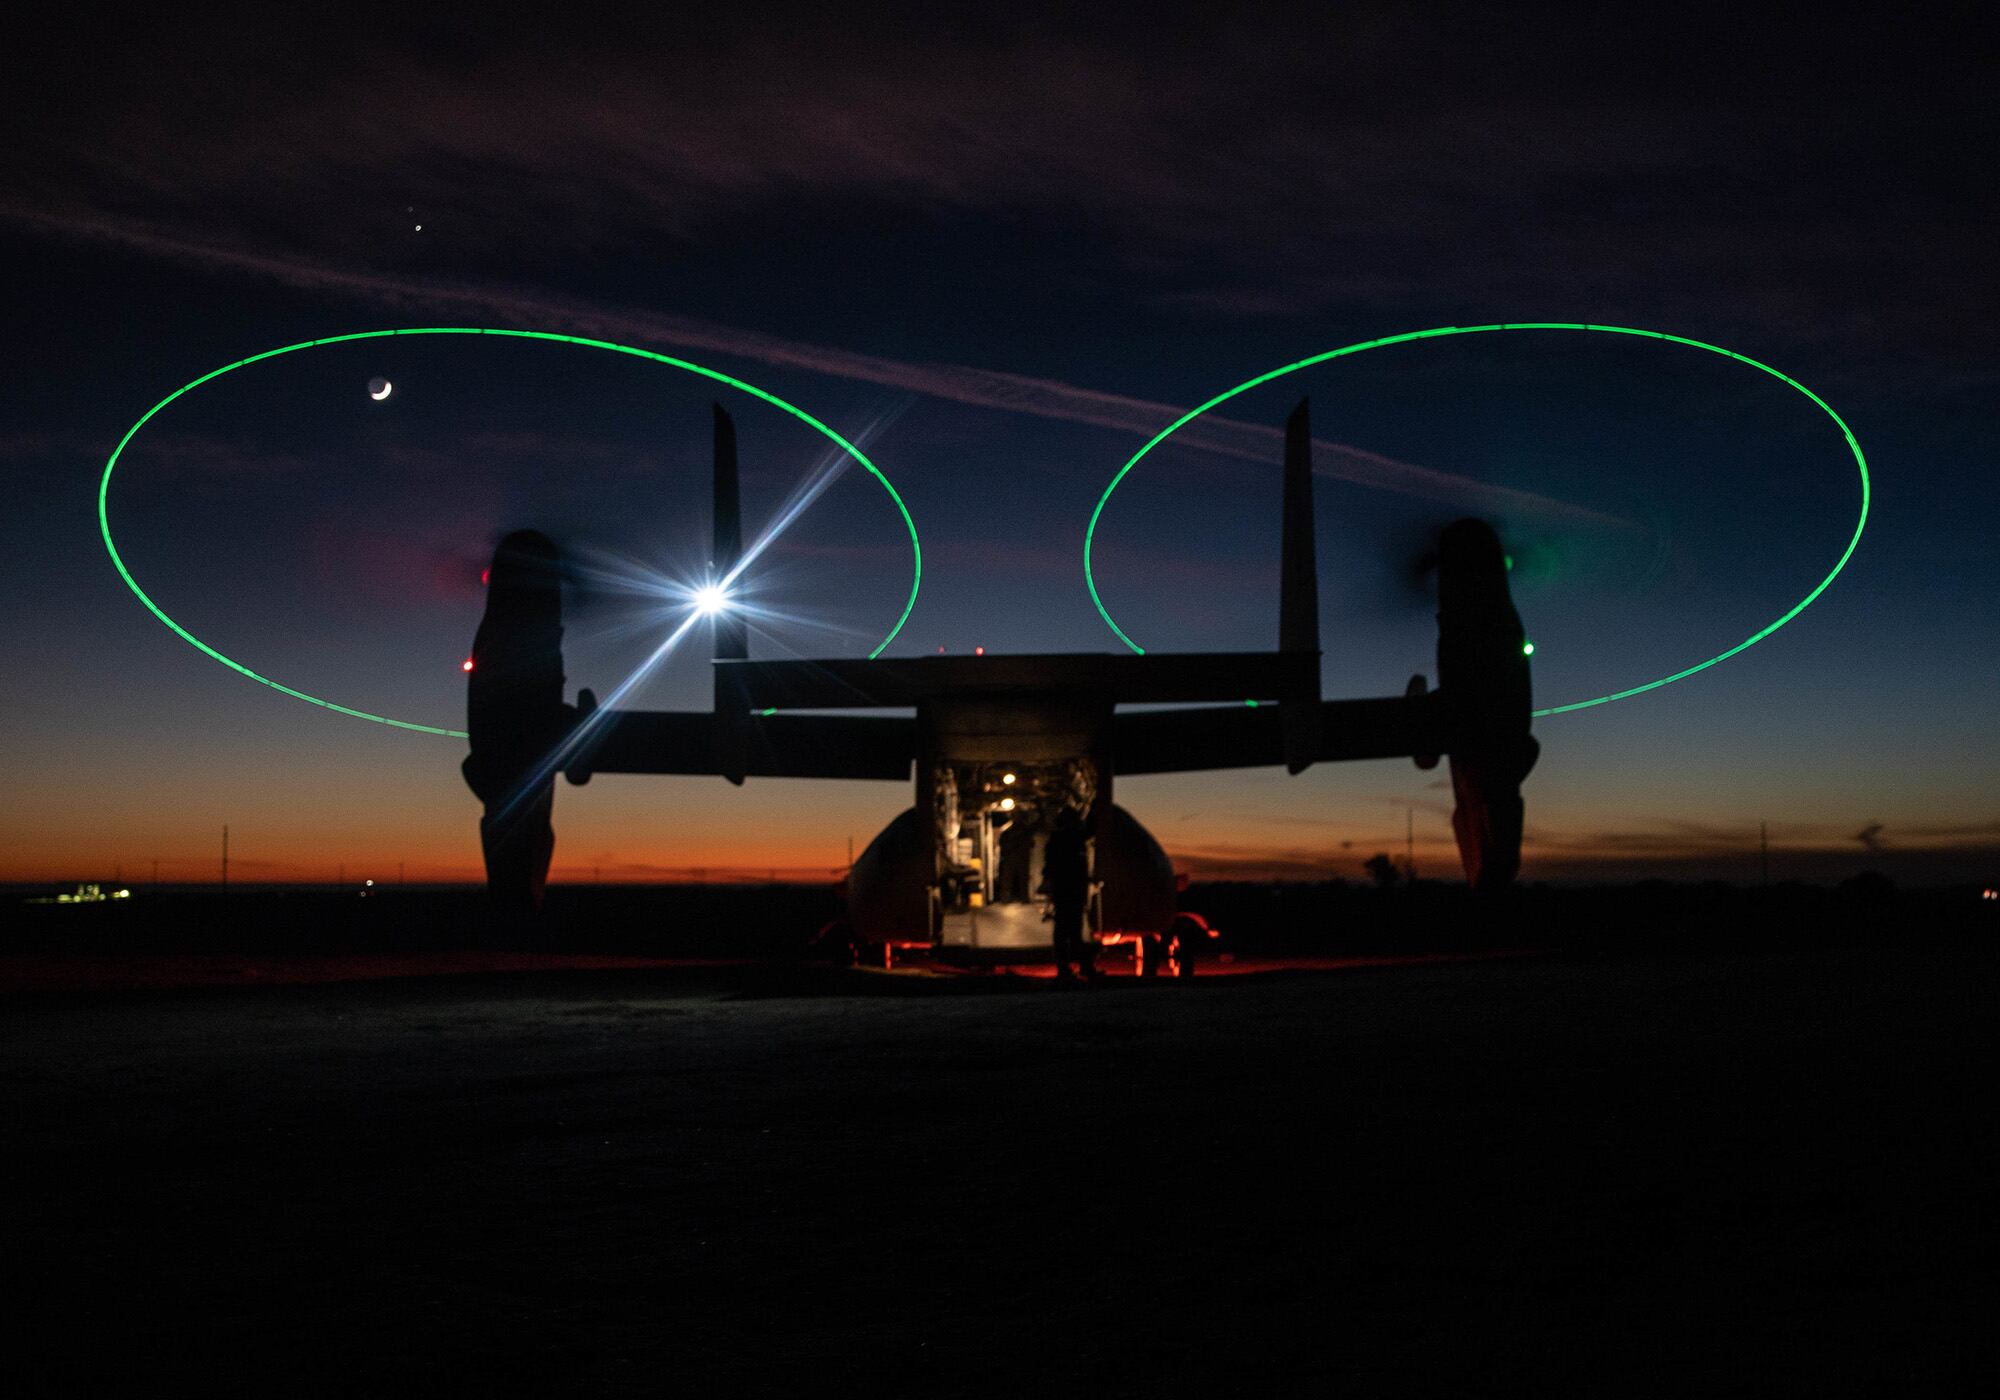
[[1152, 954], [1180, 955]]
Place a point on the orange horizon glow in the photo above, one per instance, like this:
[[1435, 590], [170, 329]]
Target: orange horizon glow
[[456, 862]]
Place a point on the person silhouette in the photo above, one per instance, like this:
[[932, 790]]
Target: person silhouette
[[1066, 876]]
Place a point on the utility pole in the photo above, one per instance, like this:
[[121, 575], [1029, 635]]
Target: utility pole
[[225, 857]]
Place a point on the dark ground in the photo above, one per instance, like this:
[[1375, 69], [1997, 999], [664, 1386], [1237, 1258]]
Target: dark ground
[[1649, 1174]]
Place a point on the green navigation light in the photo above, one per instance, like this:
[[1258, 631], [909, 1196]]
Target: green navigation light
[[104, 487], [1860, 462], [1527, 648]]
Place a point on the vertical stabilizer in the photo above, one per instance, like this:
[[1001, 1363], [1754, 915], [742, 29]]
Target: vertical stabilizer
[[732, 638], [1298, 602], [1298, 609], [732, 635]]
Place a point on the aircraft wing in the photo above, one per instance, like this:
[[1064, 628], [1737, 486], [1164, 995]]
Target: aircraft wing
[[1253, 736]]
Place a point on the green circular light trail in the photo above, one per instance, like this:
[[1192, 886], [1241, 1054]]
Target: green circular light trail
[[104, 488], [1860, 462]]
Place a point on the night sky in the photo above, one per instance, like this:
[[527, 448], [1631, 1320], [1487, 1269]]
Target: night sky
[[999, 253]]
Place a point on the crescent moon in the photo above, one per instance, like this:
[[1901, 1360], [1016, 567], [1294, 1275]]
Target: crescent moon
[[384, 393]]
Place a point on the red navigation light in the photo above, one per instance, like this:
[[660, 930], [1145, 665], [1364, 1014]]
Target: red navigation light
[[485, 577], [465, 665]]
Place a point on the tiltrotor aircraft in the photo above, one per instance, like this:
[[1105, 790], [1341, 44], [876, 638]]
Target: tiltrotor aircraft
[[999, 745]]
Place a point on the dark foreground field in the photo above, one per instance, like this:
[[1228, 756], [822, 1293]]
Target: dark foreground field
[[1649, 1175]]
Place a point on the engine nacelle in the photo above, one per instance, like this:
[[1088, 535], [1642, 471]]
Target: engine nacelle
[[515, 716], [1484, 674]]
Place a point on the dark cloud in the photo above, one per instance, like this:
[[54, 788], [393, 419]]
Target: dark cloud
[[196, 459], [619, 868], [1042, 398], [1725, 174], [30, 447], [1875, 837], [1251, 863], [1681, 839], [575, 451], [1418, 804], [1970, 831]]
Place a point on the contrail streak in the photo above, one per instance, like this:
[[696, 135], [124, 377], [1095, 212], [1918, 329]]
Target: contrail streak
[[998, 389]]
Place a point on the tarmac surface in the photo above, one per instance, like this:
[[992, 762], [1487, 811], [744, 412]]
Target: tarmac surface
[[1650, 1176]]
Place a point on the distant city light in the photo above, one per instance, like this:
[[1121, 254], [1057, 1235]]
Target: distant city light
[[1007, 779], [1989, 893], [979, 651], [1006, 804], [85, 894], [710, 599]]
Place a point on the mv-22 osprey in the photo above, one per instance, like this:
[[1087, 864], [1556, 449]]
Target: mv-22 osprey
[[999, 745]]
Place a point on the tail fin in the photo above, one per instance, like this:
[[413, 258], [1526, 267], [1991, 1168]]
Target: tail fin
[[1299, 597], [1298, 608], [1298, 601], [732, 635]]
